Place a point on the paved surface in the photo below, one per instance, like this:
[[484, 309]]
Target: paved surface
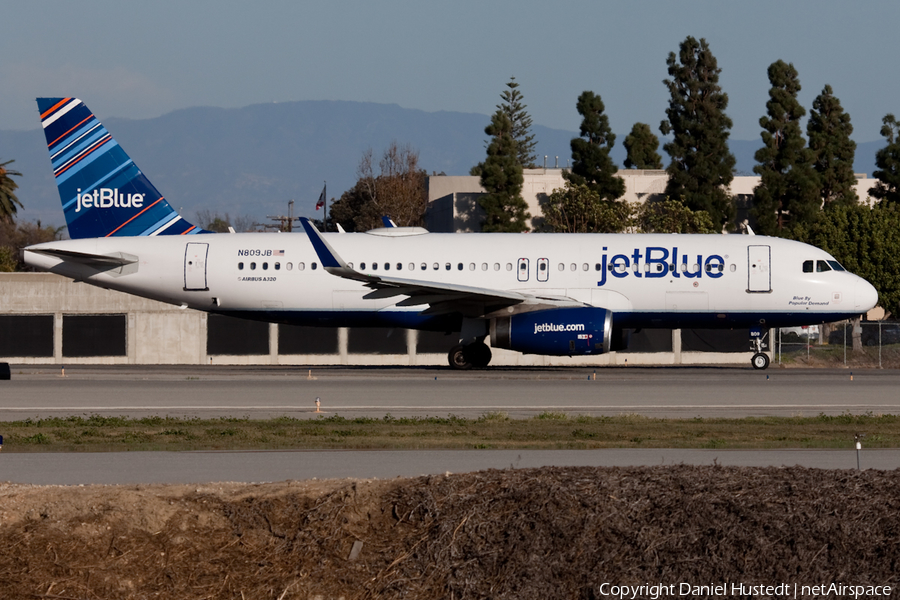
[[267, 392], [272, 391], [199, 467]]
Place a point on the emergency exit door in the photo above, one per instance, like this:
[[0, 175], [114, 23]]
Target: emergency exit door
[[760, 272], [195, 267]]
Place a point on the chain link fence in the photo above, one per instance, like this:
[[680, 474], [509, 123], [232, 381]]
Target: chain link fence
[[845, 343]]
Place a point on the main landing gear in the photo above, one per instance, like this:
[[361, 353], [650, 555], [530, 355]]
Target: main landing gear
[[476, 355], [760, 360]]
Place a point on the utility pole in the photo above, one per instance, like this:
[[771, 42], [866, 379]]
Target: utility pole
[[286, 223]]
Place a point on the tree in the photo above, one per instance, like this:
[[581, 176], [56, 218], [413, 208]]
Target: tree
[[828, 130], [788, 192], [866, 241], [521, 124], [591, 163], [398, 190], [888, 162], [672, 216], [576, 208], [702, 167], [641, 147], [15, 236], [501, 177], [8, 199]]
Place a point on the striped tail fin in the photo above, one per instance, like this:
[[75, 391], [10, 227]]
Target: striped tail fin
[[103, 193]]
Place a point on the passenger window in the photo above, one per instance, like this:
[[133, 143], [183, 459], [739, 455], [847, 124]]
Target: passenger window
[[277, 266], [496, 266], [252, 266], [290, 266], [542, 266], [348, 264], [412, 266], [459, 267], [822, 266], [659, 267], [424, 266], [573, 266], [562, 267], [265, 266], [447, 266], [646, 267], [509, 266], [435, 266], [301, 266], [471, 266], [387, 266], [672, 267], [362, 266], [374, 266], [584, 267], [807, 266], [732, 267], [399, 266], [313, 266], [684, 267], [598, 267], [523, 266], [240, 266], [708, 268], [635, 267], [484, 266]]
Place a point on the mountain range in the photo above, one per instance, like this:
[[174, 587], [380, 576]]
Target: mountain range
[[251, 161]]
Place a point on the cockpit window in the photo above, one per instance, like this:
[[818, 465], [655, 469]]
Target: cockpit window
[[807, 266], [836, 265], [822, 266]]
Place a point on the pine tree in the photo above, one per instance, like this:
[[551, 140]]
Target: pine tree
[[828, 130], [641, 146], [788, 193], [521, 124], [888, 162], [702, 167], [501, 177], [8, 199], [591, 163]]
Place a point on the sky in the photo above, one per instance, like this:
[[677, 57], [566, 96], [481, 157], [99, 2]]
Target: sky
[[140, 60]]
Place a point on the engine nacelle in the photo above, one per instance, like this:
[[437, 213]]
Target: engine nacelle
[[556, 331]]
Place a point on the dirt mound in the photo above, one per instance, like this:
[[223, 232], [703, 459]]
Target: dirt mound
[[519, 533]]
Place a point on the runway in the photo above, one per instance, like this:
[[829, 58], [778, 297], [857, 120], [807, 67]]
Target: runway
[[264, 392]]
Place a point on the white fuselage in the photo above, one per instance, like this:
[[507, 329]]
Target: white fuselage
[[717, 280]]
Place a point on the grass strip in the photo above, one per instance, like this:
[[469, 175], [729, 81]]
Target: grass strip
[[98, 433]]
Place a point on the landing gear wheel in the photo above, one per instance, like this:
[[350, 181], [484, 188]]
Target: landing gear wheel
[[760, 361], [459, 359], [479, 354]]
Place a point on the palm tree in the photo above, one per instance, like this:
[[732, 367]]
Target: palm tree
[[8, 200]]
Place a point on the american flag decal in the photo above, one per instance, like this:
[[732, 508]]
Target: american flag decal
[[278, 252]]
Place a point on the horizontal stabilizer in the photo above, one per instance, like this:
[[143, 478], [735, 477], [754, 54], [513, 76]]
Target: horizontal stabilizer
[[107, 261]]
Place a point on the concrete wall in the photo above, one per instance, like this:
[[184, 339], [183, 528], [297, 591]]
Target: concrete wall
[[158, 333]]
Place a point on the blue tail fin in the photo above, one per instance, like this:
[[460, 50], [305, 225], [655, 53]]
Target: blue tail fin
[[103, 193]]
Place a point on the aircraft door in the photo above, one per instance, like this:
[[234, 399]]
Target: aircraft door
[[543, 269], [759, 279], [195, 267], [522, 269]]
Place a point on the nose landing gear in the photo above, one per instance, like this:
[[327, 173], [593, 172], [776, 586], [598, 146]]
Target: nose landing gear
[[760, 360]]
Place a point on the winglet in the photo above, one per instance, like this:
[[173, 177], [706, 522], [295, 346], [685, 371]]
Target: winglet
[[329, 258], [387, 221]]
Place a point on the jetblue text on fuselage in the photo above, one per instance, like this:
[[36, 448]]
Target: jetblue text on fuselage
[[107, 198], [659, 262]]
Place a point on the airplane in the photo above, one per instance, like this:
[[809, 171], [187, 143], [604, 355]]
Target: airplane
[[548, 294]]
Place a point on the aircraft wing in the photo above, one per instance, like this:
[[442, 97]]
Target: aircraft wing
[[440, 297]]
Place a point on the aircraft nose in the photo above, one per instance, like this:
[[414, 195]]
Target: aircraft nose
[[865, 295]]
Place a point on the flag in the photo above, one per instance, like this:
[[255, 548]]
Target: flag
[[321, 201]]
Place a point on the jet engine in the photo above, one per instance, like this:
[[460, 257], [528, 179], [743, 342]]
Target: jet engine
[[556, 331]]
